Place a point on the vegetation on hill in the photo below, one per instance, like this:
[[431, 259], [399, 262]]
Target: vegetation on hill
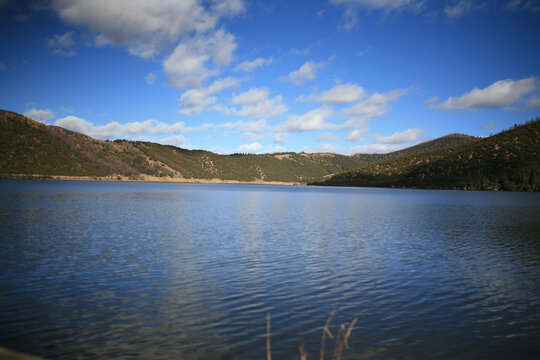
[[506, 161], [32, 148], [509, 160]]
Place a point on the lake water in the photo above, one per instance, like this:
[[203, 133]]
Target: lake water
[[189, 271]]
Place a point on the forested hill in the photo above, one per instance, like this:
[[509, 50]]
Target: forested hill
[[509, 160], [32, 149]]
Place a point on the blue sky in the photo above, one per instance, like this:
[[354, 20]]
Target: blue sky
[[345, 76]]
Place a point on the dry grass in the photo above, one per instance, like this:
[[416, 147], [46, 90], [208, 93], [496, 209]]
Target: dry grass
[[340, 341]]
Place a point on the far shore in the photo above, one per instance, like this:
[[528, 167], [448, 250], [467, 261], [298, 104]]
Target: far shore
[[140, 178]]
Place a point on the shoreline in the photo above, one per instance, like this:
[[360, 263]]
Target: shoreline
[[142, 178]]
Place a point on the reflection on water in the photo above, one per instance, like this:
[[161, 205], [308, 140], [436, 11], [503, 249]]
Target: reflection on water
[[95, 269]]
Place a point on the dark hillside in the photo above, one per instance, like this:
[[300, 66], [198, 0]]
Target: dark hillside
[[509, 160]]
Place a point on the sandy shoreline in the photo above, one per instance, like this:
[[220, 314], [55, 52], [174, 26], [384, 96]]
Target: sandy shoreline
[[141, 178]]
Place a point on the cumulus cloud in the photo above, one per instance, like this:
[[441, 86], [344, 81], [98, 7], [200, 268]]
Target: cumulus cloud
[[256, 103], [114, 130], [190, 64], [499, 94], [352, 7], [338, 95], [306, 72], [249, 66], [175, 140], [357, 135], [148, 27], [409, 135], [253, 126], [310, 121], [376, 104], [249, 148], [385, 144], [39, 114], [62, 44], [357, 116], [145, 26], [195, 101]]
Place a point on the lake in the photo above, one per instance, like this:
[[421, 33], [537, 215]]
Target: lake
[[189, 271]]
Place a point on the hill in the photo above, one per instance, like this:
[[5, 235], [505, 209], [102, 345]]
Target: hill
[[509, 160], [32, 149]]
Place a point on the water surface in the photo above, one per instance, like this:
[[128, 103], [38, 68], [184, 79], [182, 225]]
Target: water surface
[[189, 271]]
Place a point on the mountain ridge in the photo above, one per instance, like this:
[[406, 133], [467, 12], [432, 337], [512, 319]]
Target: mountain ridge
[[36, 150]]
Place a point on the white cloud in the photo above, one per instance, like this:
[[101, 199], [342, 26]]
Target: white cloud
[[250, 136], [148, 27], [249, 66], [195, 101], [489, 126], [145, 26], [409, 135], [338, 95], [374, 148], [352, 7], [253, 126], [275, 149], [375, 105], [175, 140], [499, 94], [327, 136], [342, 94], [222, 84], [329, 148], [385, 144], [533, 102], [357, 135], [114, 130], [357, 115], [313, 120], [150, 78], [249, 148], [256, 103], [62, 44], [39, 115], [306, 72], [431, 100], [189, 64], [388, 5]]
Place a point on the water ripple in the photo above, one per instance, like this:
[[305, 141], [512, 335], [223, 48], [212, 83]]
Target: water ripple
[[112, 270]]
